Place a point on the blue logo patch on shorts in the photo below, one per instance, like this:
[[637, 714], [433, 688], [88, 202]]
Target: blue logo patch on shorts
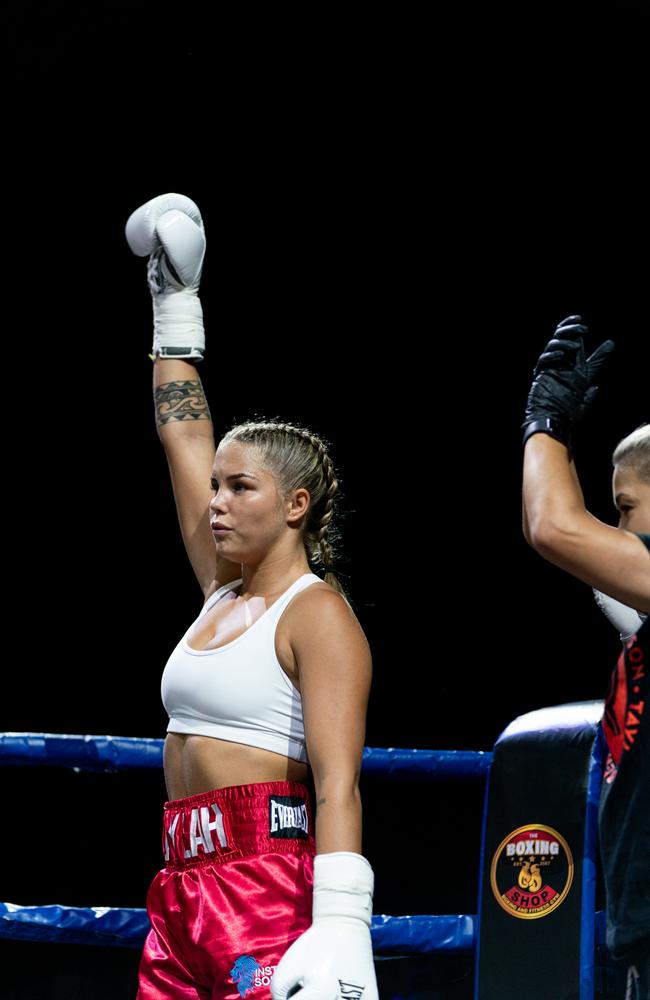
[[288, 817], [243, 973]]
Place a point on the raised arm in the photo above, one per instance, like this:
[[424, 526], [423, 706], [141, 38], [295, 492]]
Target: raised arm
[[555, 520], [186, 433], [169, 230], [560, 529], [524, 513]]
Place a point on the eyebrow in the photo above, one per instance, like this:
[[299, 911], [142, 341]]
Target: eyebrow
[[235, 475], [624, 496]]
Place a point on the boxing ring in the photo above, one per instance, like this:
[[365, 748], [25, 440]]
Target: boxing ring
[[538, 863]]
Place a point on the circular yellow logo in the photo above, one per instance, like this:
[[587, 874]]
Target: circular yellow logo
[[532, 871]]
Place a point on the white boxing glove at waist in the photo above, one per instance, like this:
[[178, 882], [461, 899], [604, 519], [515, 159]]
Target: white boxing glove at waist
[[333, 959]]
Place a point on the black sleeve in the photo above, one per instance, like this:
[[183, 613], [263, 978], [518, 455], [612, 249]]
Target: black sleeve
[[645, 539]]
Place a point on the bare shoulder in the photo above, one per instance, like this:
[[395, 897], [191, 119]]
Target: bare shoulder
[[317, 595], [325, 644], [317, 609]]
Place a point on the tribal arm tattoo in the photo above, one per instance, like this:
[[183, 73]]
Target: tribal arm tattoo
[[180, 400]]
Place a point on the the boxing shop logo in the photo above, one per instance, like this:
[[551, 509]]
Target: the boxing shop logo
[[532, 871], [288, 816]]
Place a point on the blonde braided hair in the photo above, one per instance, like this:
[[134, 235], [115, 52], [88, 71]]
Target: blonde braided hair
[[300, 459]]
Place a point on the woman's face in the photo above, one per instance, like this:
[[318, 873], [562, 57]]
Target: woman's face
[[247, 501], [631, 499]]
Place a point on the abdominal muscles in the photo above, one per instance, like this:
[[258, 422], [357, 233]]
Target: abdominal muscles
[[195, 764]]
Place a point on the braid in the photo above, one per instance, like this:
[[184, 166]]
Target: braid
[[331, 490], [301, 458]]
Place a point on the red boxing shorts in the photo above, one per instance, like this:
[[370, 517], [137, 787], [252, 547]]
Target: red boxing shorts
[[235, 892]]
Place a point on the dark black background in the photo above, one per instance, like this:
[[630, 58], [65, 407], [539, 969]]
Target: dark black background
[[397, 215]]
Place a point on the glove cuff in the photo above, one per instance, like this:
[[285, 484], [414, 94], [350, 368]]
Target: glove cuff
[[547, 425], [178, 325], [343, 886]]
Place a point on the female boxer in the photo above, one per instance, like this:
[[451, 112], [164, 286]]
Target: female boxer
[[266, 691]]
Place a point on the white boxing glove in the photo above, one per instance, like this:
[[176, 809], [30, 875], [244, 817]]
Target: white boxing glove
[[625, 620], [332, 960], [170, 230]]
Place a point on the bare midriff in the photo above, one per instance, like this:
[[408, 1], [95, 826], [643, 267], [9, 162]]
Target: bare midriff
[[195, 764]]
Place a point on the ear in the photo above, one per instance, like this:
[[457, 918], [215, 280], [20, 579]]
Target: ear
[[298, 503]]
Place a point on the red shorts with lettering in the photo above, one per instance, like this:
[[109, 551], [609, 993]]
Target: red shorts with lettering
[[235, 892]]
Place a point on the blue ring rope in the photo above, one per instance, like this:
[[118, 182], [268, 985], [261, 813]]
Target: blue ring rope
[[128, 927], [120, 753]]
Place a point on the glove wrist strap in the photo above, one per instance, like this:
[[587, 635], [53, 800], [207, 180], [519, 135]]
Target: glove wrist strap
[[548, 425], [343, 887], [178, 325]]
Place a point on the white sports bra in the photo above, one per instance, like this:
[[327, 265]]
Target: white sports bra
[[238, 692]]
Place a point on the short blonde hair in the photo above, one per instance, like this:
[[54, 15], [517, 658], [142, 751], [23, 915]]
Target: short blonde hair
[[634, 452]]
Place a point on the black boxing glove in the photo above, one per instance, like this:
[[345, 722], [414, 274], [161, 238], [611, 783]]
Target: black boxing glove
[[564, 380]]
